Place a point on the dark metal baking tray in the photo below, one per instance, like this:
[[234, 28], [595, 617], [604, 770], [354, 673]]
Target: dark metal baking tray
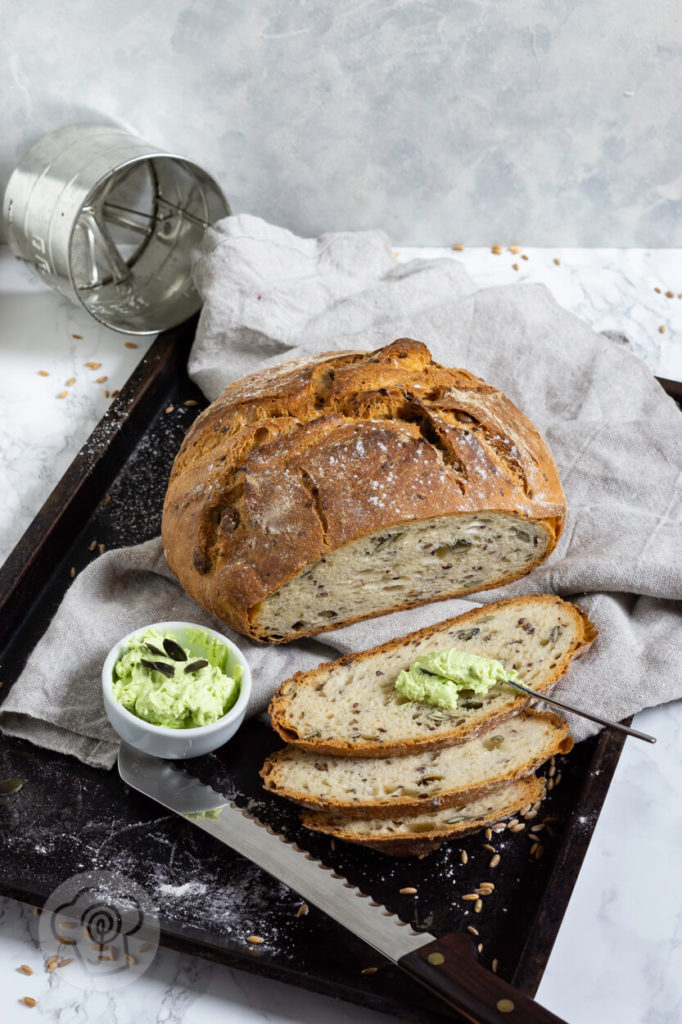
[[69, 818]]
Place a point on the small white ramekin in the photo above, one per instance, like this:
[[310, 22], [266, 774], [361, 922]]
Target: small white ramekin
[[159, 740]]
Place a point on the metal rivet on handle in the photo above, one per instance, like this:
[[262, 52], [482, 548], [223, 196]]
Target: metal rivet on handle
[[505, 1005], [436, 959]]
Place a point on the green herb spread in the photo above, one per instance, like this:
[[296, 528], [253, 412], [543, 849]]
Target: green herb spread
[[440, 677], [160, 681]]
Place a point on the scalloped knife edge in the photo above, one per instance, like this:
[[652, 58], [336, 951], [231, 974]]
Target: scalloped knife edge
[[447, 966]]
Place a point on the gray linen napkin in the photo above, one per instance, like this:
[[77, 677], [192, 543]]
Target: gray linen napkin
[[270, 295]]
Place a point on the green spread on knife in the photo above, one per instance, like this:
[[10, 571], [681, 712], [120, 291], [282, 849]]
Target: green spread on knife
[[164, 683], [439, 677], [215, 813]]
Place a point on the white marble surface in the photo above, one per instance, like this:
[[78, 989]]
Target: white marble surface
[[438, 120], [618, 957]]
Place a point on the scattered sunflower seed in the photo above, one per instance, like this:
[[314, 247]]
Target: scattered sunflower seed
[[478, 906], [63, 394], [25, 969], [29, 1001], [70, 382], [496, 250], [470, 897], [43, 373], [92, 366], [408, 890], [464, 857], [100, 380]]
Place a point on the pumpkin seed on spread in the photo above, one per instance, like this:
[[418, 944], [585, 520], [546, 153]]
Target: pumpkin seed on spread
[[194, 666], [173, 649], [159, 666]]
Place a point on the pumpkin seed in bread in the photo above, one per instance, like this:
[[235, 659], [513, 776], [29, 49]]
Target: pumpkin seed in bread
[[365, 787], [349, 707]]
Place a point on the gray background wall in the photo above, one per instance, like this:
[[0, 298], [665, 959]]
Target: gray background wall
[[478, 121]]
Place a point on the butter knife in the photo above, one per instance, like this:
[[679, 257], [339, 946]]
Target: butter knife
[[447, 966]]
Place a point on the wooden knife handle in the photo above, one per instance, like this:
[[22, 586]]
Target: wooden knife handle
[[449, 967]]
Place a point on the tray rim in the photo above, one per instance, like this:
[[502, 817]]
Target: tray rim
[[84, 482]]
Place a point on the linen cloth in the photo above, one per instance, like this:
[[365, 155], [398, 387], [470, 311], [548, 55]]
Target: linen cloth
[[270, 295]]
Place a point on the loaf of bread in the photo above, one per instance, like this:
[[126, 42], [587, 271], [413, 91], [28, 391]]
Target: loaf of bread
[[372, 787], [415, 835], [349, 707], [317, 493]]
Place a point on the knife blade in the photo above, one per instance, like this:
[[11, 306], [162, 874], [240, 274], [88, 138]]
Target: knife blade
[[447, 966]]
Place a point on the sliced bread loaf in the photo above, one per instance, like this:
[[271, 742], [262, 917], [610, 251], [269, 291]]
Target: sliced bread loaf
[[415, 835], [349, 707], [365, 787]]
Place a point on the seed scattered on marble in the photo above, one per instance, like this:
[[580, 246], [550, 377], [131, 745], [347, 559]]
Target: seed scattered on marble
[[517, 828], [670, 295], [115, 393], [62, 394], [131, 344], [557, 261], [489, 848], [72, 573], [458, 248], [369, 970], [255, 940], [302, 910], [169, 408], [523, 256], [661, 329], [190, 402], [92, 545], [470, 897], [105, 500], [496, 250], [474, 931], [92, 366], [78, 337], [29, 1001], [43, 373], [65, 961], [101, 548], [658, 290], [408, 890], [478, 906], [464, 857], [100, 380], [515, 266], [494, 861], [495, 964], [25, 969], [70, 382], [488, 834], [516, 249]]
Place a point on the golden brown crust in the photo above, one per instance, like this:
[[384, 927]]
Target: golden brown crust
[[562, 744], [586, 633], [273, 474], [533, 789]]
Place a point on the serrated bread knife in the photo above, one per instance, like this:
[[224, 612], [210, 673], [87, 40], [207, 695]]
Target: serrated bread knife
[[447, 966]]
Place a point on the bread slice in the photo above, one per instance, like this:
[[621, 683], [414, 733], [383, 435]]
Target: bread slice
[[415, 835], [349, 707], [365, 787]]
